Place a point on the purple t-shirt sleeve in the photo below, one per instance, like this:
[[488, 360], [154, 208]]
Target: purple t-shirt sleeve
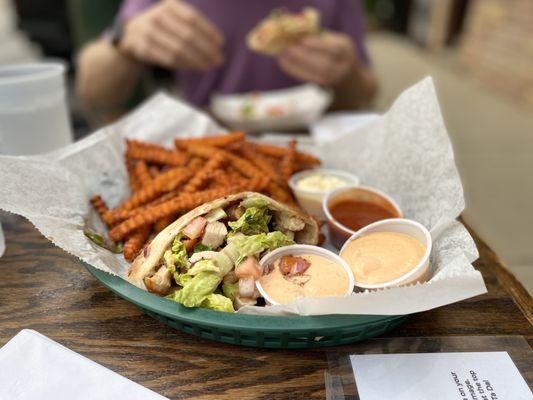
[[130, 8], [350, 21]]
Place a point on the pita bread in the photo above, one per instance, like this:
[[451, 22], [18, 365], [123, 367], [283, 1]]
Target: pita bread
[[281, 29], [147, 262]]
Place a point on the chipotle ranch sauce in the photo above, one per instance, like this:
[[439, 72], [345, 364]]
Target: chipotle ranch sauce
[[326, 278], [355, 214], [382, 256]]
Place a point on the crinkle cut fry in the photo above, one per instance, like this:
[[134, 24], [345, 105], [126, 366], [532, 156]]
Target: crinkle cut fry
[[257, 183], [156, 155], [241, 165], [289, 160], [134, 244], [220, 178], [272, 150], [101, 208], [260, 162], [203, 175], [116, 216], [143, 175], [132, 176], [279, 193], [154, 171], [165, 182], [216, 140], [186, 201]]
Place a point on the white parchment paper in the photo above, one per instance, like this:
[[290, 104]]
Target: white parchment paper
[[406, 153]]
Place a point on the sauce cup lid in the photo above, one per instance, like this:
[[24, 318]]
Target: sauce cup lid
[[400, 225], [335, 192], [351, 179], [302, 249]]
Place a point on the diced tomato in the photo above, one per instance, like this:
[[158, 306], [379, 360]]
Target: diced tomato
[[195, 228], [249, 268], [291, 265]]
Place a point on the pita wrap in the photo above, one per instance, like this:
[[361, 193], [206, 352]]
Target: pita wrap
[[305, 230], [281, 29]]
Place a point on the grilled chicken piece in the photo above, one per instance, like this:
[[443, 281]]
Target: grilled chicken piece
[[214, 234], [159, 282]]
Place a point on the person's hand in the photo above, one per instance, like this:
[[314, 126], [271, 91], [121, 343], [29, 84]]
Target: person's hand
[[325, 59], [173, 34]]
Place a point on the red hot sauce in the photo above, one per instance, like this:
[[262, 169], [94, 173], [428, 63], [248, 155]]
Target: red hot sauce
[[355, 214]]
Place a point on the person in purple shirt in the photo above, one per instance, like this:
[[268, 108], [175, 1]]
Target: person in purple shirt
[[204, 43]]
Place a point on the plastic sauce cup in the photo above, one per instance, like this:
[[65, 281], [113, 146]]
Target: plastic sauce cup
[[420, 272], [311, 200], [303, 249], [338, 232]]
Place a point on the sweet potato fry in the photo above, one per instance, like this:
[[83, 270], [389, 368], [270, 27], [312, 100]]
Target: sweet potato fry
[[143, 175], [157, 155], [260, 162], [221, 141], [278, 152], [288, 161], [136, 242], [101, 208], [154, 171], [279, 192], [220, 178], [257, 183], [203, 175], [132, 176], [165, 182], [185, 201]]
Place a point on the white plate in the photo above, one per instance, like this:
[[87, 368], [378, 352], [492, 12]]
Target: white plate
[[298, 108]]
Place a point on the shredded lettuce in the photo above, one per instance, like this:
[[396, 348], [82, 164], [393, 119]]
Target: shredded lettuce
[[255, 244], [176, 257], [253, 221], [257, 202], [215, 215], [203, 266], [182, 279], [197, 289], [217, 302], [230, 290], [201, 247], [198, 283]]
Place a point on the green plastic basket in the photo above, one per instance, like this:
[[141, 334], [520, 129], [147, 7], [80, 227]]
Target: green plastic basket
[[252, 330]]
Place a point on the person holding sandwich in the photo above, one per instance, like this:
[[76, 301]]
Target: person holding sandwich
[[208, 46]]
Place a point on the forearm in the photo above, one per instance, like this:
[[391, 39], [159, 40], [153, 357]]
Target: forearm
[[356, 91], [105, 77]]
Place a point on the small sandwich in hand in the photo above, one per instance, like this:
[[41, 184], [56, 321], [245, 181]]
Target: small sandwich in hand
[[281, 29], [209, 256]]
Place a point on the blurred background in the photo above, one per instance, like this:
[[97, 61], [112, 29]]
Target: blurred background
[[479, 52]]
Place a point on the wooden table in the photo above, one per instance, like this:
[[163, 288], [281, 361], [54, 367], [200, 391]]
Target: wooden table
[[45, 289]]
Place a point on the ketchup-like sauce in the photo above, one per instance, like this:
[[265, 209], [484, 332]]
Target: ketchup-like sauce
[[355, 214]]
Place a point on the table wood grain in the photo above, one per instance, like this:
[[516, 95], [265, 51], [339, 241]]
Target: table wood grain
[[45, 289]]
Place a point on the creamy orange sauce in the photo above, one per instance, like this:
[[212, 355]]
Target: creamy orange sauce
[[382, 256], [327, 278]]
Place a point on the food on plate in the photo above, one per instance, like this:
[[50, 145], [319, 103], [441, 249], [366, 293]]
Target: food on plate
[[311, 186], [349, 209], [303, 271], [166, 183], [281, 29], [209, 256], [381, 257], [254, 106]]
